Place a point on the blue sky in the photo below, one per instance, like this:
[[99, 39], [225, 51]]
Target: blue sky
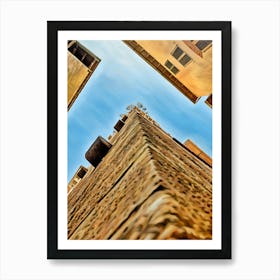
[[123, 78]]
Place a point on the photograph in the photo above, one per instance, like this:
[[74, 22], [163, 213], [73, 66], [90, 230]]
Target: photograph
[[136, 142], [145, 175]]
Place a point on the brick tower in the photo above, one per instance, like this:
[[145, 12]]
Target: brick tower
[[144, 185]]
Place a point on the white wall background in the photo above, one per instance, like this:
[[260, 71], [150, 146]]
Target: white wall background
[[255, 139]]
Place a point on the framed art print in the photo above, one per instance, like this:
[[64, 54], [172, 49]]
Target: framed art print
[[139, 140]]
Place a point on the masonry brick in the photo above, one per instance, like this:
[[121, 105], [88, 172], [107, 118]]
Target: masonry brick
[[147, 186]]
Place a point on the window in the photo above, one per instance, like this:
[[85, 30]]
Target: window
[[174, 70], [177, 53], [88, 60], [82, 172], [181, 56], [168, 64], [81, 54], [202, 44], [171, 67], [185, 59]]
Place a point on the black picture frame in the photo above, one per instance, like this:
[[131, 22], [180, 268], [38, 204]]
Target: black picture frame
[[52, 139]]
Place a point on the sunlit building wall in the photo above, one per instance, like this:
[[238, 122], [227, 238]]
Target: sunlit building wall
[[187, 64], [81, 65]]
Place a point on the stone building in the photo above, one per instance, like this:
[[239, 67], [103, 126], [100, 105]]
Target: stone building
[[144, 185], [187, 64], [78, 176], [81, 65]]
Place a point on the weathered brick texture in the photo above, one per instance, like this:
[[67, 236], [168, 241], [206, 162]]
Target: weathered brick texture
[[147, 186]]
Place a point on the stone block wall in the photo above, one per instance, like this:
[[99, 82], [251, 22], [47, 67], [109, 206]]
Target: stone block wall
[[146, 187]]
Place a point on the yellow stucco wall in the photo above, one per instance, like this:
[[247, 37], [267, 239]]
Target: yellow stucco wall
[[77, 75], [195, 75]]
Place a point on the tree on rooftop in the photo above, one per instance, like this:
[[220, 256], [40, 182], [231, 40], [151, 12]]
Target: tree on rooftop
[[138, 105]]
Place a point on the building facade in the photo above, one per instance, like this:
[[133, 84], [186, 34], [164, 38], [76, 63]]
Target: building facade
[[187, 64], [81, 64], [144, 185], [78, 176]]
